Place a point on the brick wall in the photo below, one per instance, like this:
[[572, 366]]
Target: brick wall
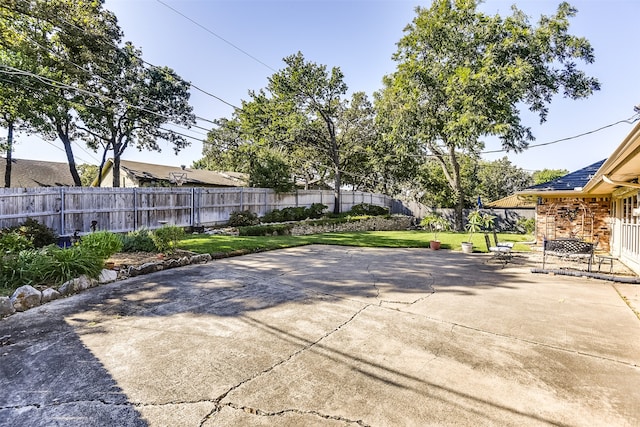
[[583, 218]]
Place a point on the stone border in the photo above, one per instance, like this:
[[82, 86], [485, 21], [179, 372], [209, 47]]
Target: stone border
[[26, 297]]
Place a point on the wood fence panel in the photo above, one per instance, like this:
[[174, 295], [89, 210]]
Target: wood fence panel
[[70, 209]]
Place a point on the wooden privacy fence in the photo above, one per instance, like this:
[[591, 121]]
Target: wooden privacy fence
[[81, 209]]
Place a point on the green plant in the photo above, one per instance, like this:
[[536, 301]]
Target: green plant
[[23, 268], [265, 230], [528, 225], [368, 209], [60, 265], [316, 210], [478, 221], [435, 222], [39, 234], [102, 243], [12, 242], [242, 218], [166, 238], [138, 241]]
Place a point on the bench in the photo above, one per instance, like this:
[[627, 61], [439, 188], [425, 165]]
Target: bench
[[568, 250]]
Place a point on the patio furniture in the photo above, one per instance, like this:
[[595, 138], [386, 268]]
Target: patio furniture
[[568, 250], [605, 259], [502, 253], [499, 244]]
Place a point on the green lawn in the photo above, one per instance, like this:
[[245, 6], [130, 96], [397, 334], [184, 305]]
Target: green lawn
[[392, 239]]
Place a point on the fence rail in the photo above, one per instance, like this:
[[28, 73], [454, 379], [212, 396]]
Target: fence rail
[[70, 209]]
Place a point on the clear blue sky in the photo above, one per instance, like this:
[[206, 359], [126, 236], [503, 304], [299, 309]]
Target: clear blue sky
[[359, 36]]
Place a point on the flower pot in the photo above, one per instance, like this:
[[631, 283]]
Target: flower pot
[[109, 265], [434, 245], [467, 247]]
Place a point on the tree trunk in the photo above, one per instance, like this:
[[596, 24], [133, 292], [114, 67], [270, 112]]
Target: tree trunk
[[336, 192], [7, 170], [116, 166], [63, 134]]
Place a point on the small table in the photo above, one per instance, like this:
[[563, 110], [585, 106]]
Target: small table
[[607, 259]]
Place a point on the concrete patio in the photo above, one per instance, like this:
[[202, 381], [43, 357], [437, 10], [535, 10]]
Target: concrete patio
[[329, 336]]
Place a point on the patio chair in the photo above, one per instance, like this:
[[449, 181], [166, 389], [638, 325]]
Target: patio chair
[[501, 244], [502, 253]]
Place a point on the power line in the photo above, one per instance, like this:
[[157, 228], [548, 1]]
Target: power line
[[139, 58], [630, 120], [193, 21]]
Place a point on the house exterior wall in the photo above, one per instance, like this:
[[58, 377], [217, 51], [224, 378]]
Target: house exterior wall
[[125, 181], [625, 242], [588, 218]]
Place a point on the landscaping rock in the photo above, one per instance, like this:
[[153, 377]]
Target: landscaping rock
[[49, 294], [147, 268], [26, 297], [6, 306], [76, 285], [202, 258], [107, 276]]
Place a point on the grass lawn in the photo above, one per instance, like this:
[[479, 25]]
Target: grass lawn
[[391, 239]]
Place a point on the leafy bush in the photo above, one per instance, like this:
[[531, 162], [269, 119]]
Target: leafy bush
[[316, 210], [265, 230], [243, 218], [23, 268], [50, 265], [60, 265], [167, 237], [526, 225], [295, 213], [12, 242], [138, 241], [368, 209], [39, 234], [102, 243]]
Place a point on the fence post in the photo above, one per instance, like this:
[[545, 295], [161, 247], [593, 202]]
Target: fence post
[[135, 210], [62, 225]]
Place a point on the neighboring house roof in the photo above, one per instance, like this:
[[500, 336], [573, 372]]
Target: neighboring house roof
[[37, 173], [149, 172], [571, 183], [512, 201]]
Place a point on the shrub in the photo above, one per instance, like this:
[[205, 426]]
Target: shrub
[[368, 209], [265, 230], [39, 234], [60, 265], [138, 241], [528, 225], [12, 242], [295, 213], [24, 268], [243, 218], [167, 237], [316, 210], [102, 243]]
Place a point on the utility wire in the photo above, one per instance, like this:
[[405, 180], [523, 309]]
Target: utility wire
[[139, 58], [193, 21]]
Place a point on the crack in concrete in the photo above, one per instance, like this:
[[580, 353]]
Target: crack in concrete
[[260, 412], [218, 400]]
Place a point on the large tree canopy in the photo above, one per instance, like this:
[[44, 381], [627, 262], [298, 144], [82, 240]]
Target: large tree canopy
[[300, 125], [463, 75]]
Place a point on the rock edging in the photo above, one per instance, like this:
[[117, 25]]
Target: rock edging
[[26, 297]]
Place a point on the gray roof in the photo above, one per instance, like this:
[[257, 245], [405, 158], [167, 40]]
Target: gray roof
[[148, 172], [569, 182], [37, 173]]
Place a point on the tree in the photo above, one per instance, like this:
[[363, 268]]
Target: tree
[[87, 173], [301, 108], [462, 75], [500, 178], [66, 43], [139, 100], [546, 175], [299, 125]]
